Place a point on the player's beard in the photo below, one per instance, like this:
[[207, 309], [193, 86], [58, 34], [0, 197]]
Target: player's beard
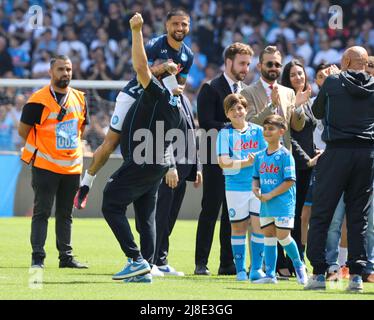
[[178, 38], [271, 76], [239, 76], [62, 83]]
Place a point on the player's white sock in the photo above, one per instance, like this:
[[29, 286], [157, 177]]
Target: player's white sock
[[88, 179]]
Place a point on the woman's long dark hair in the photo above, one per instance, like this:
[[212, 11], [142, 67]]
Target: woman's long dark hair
[[286, 81]]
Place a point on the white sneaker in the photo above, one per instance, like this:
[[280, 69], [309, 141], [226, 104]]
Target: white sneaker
[[266, 279], [316, 282], [170, 271], [355, 284], [155, 272], [301, 275]]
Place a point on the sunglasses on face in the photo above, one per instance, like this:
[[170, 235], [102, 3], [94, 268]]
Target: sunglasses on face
[[270, 64], [371, 65]]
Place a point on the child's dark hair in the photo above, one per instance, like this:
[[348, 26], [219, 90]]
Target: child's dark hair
[[276, 120], [233, 99]]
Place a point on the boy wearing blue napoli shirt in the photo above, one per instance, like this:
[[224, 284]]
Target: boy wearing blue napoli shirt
[[236, 145], [274, 185]]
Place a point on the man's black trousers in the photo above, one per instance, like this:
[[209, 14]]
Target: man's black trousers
[[213, 199], [138, 185], [348, 169], [47, 186], [169, 202]]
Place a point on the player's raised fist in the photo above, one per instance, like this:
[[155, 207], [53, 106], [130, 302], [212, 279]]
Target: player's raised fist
[[136, 22]]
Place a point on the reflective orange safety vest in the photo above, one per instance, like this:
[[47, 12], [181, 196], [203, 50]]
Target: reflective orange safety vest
[[56, 145]]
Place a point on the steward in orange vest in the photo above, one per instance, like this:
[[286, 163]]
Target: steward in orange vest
[[52, 123], [54, 144]]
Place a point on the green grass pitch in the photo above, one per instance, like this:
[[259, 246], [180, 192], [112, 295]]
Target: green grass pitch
[[94, 244]]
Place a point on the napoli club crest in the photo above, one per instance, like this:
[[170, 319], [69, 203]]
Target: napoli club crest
[[184, 57], [115, 120], [232, 213]]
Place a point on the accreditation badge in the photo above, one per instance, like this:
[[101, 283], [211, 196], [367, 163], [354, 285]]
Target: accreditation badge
[[67, 135]]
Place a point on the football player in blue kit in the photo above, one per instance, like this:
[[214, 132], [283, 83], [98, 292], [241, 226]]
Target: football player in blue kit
[[170, 49], [236, 146], [144, 165], [274, 185], [178, 59]]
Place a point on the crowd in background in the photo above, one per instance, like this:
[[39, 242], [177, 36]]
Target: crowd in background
[[96, 36]]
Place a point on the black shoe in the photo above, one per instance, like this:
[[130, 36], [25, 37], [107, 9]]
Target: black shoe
[[72, 263], [227, 271], [202, 270], [37, 263]]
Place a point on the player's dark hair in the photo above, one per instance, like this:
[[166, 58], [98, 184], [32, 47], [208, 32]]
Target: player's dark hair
[[236, 48], [276, 120], [232, 100], [58, 57], [176, 12], [269, 50]]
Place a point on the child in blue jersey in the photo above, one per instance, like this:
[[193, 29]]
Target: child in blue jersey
[[274, 185], [236, 145]]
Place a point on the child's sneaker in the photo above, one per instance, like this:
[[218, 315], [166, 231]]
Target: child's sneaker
[[355, 284], [241, 276], [301, 275], [256, 275], [316, 282], [266, 280], [145, 278]]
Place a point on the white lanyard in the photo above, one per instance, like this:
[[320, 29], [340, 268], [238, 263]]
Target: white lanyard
[[64, 100]]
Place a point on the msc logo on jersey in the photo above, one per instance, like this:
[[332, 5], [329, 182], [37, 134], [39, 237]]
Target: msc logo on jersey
[[232, 212], [115, 120], [270, 181], [184, 57]]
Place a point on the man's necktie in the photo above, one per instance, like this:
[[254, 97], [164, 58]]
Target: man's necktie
[[235, 87]]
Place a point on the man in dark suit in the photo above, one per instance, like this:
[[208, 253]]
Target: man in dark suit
[[185, 167], [211, 115]]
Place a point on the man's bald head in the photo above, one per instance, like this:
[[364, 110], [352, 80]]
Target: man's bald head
[[354, 58]]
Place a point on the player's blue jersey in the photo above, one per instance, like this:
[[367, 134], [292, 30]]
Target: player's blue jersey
[[237, 145], [159, 49], [272, 170]]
